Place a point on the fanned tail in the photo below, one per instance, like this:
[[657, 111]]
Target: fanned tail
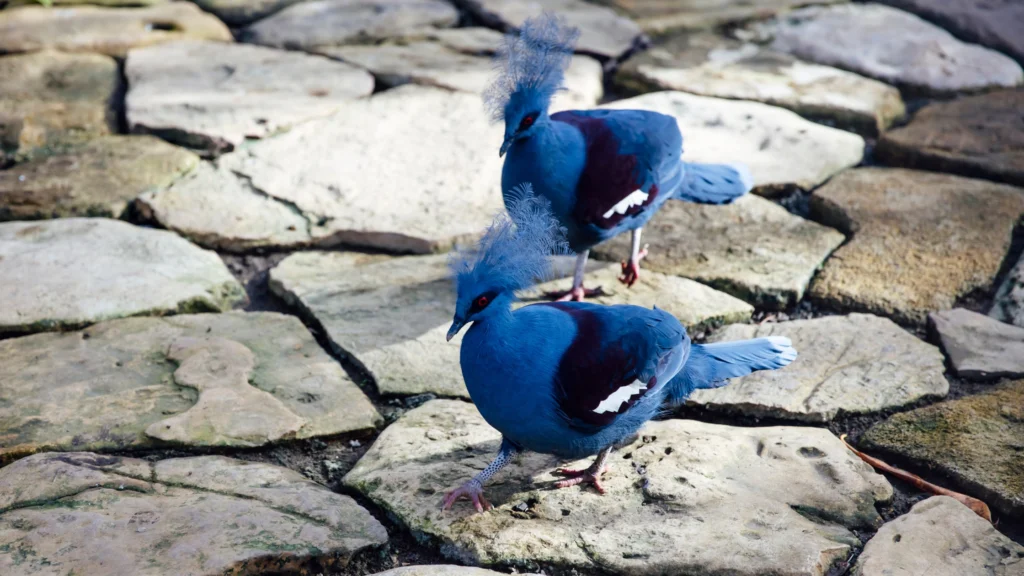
[[714, 183], [710, 365]]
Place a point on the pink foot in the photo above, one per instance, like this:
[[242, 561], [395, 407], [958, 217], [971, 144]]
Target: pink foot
[[472, 491], [575, 294], [575, 477], [631, 269]]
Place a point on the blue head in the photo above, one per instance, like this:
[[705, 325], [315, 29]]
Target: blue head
[[514, 254], [531, 68]]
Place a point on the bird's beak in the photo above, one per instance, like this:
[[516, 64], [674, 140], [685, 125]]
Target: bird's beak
[[504, 146], [456, 326]]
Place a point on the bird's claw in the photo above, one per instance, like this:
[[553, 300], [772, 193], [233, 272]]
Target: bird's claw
[[631, 269], [577, 294], [471, 490], [574, 477]]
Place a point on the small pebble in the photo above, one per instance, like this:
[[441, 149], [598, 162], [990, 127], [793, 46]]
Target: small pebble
[[354, 443]]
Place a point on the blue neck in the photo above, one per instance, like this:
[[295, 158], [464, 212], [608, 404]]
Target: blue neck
[[551, 159]]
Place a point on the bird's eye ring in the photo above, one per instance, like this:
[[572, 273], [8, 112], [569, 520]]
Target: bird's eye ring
[[482, 302], [526, 122]]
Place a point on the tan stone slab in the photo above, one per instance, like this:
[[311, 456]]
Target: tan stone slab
[[979, 347], [707, 499], [661, 16], [235, 379], [919, 240], [111, 31]]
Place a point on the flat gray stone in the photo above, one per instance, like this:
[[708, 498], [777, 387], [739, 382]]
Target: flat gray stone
[[939, 537], [49, 99], [238, 13], [438, 570], [85, 513], [236, 379], [111, 31], [129, 3], [67, 273], [919, 240], [660, 17], [980, 347], [973, 444], [413, 169], [98, 178], [711, 65], [462, 59], [315, 24], [753, 248], [996, 25], [707, 499], [917, 56], [1009, 300], [854, 364], [391, 314], [978, 136], [212, 97], [781, 149], [602, 31]]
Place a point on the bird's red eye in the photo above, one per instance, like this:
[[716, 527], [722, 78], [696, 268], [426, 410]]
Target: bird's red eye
[[482, 302], [526, 123]]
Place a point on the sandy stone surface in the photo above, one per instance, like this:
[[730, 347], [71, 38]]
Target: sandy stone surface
[[919, 240], [708, 499], [98, 178], [974, 442], [1009, 299], [462, 59], [781, 149], [69, 272], [49, 99], [235, 379], [111, 31], [753, 248], [315, 24], [87, 513], [212, 97], [852, 364], [711, 65], [916, 55], [939, 537], [659, 16], [978, 136], [980, 347], [602, 31]]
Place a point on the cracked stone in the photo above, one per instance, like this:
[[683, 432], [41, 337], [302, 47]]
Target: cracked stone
[[1009, 299], [602, 31], [391, 314], [94, 514], [714, 499], [111, 31], [980, 347], [234, 379], [316, 24], [979, 136], [711, 65], [852, 364], [781, 149], [920, 240], [49, 99], [939, 537], [98, 178], [917, 55], [462, 59], [974, 442], [660, 17], [753, 248], [66, 273], [212, 97]]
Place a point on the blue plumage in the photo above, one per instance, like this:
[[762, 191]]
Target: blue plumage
[[604, 171], [571, 378]]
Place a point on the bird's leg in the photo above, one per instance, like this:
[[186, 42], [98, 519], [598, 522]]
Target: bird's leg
[[591, 474], [578, 292], [474, 489], [631, 269]]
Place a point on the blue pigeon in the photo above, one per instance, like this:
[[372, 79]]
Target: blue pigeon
[[604, 171], [571, 378]]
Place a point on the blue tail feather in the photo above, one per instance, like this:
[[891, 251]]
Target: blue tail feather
[[710, 365], [714, 183]]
